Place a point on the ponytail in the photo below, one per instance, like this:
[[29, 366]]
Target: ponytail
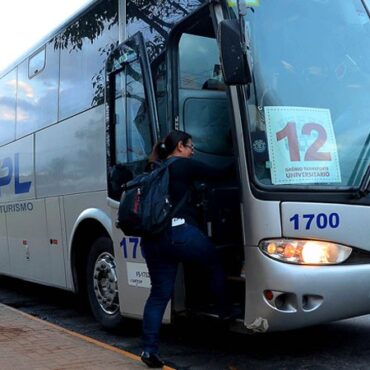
[[167, 146], [159, 152]]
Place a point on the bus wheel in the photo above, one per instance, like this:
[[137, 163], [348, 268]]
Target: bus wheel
[[102, 288]]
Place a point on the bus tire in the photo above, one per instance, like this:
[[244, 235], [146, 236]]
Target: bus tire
[[101, 283]]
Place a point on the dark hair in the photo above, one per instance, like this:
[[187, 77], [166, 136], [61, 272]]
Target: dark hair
[[166, 146]]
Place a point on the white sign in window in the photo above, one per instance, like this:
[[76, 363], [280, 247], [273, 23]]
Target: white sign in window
[[302, 146]]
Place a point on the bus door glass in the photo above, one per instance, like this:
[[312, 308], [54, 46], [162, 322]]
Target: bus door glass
[[203, 110], [132, 121], [132, 128]]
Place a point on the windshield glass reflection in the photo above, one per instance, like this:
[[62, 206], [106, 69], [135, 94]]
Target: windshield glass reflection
[[308, 106]]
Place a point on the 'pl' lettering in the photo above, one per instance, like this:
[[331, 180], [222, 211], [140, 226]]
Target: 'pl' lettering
[[10, 168]]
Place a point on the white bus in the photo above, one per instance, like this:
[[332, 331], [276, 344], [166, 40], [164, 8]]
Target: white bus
[[280, 87]]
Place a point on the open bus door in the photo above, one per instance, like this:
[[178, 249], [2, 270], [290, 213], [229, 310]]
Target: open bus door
[[132, 130], [198, 104], [201, 106]]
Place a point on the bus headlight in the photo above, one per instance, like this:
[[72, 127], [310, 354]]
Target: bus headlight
[[306, 252]]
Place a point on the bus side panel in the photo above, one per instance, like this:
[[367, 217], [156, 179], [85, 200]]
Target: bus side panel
[[28, 244], [133, 275], [16, 191], [70, 156], [70, 163], [66, 244], [36, 245], [73, 206], [56, 242], [4, 247]]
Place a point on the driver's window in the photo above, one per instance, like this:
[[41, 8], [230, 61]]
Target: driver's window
[[203, 104], [199, 63]]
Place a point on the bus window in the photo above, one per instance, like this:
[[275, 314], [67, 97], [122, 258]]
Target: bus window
[[37, 63], [37, 92], [82, 60], [203, 103], [199, 63], [7, 107], [329, 76]]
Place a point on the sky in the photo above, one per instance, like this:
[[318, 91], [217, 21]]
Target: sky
[[25, 22]]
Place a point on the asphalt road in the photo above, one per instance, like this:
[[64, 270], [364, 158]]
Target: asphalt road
[[204, 344]]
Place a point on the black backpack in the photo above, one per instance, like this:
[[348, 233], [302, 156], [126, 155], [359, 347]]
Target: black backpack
[[145, 208]]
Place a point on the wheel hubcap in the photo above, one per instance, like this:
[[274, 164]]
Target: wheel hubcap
[[105, 283]]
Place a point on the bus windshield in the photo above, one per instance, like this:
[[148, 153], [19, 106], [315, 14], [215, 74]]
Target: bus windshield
[[309, 103]]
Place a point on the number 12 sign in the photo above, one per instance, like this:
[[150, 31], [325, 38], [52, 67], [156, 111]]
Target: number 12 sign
[[302, 145]]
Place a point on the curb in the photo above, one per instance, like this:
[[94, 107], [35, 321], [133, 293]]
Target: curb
[[83, 337]]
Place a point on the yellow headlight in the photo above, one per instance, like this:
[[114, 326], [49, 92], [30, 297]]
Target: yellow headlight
[[309, 252], [313, 252]]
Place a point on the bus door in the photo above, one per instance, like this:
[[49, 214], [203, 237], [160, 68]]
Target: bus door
[[131, 131], [201, 108]]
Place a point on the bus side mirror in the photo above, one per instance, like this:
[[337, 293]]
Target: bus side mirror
[[234, 60]]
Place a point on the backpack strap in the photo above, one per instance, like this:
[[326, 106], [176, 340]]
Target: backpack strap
[[183, 200], [180, 204], [169, 161]]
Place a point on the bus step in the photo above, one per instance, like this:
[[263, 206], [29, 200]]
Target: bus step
[[238, 279]]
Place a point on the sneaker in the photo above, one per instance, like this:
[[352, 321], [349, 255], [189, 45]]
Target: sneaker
[[152, 360]]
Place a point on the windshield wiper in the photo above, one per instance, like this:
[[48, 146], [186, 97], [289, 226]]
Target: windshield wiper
[[364, 188]]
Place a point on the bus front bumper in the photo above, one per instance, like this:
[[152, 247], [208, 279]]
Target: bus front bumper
[[282, 296]]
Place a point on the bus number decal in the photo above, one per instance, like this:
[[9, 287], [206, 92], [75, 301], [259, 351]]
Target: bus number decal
[[321, 220], [312, 153], [128, 244]]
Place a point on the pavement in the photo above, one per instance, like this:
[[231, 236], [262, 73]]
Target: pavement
[[27, 342]]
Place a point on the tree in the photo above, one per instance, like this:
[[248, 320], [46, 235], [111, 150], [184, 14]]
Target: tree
[[155, 18]]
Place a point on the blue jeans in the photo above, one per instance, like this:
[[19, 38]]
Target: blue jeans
[[184, 243]]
